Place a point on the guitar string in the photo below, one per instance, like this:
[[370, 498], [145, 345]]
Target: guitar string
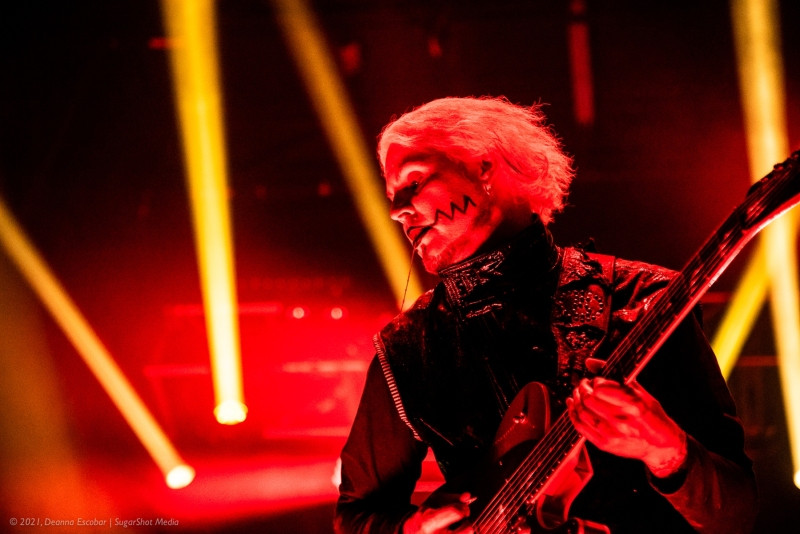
[[514, 493], [512, 490], [704, 272]]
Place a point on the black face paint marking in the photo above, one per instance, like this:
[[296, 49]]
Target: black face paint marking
[[453, 209], [452, 215]]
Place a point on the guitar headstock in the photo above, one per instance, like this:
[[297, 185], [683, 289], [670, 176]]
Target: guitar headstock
[[774, 194]]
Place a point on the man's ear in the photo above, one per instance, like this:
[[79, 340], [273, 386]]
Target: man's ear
[[486, 169]]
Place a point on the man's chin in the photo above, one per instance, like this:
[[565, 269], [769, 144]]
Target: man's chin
[[436, 262], [437, 256], [432, 262]]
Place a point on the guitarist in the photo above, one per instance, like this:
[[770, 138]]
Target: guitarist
[[474, 182]]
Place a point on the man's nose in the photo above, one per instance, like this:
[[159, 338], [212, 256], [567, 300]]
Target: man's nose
[[401, 205]]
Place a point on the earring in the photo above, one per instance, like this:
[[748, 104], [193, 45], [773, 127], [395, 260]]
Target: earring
[[487, 187]]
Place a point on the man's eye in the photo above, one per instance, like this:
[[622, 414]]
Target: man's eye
[[404, 195]]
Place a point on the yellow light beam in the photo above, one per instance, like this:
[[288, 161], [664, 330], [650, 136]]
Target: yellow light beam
[[785, 307], [757, 36], [742, 311], [329, 97], [763, 105], [191, 29], [23, 254]]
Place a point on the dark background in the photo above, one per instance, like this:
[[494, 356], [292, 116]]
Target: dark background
[[91, 165]]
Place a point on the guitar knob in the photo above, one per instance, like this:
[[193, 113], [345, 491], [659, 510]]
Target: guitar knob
[[520, 418]]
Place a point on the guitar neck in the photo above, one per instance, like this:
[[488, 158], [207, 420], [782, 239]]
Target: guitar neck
[[677, 300], [684, 292]]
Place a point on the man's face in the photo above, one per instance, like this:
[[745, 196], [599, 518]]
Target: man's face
[[444, 210]]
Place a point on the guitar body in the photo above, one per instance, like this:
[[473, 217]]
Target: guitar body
[[526, 421]]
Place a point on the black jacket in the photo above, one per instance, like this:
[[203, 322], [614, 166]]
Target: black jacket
[[447, 369]]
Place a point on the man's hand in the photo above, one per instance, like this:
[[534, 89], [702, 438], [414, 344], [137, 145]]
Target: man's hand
[[437, 519], [627, 421]]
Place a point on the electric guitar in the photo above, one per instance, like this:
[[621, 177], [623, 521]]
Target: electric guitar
[[558, 457]]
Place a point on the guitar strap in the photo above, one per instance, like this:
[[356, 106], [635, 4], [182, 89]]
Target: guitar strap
[[581, 311]]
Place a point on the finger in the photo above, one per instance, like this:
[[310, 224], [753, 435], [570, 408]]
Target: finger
[[637, 389], [467, 498], [590, 412], [611, 389], [582, 402], [594, 365], [572, 410], [630, 401], [603, 388], [596, 419], [578, 415], [585, 386], [592, 399], [582, 392], [600, 406], [435, 519], [591, 431], [584, 416], [617, 436], [579, 411]]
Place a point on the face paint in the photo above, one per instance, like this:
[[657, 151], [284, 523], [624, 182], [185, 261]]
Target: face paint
[[443, 208], [454, 209]]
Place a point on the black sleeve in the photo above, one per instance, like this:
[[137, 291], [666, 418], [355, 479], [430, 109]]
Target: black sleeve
[[715, 491], [381, 462]]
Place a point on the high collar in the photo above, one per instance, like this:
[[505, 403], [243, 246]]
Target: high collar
[[480, 283]]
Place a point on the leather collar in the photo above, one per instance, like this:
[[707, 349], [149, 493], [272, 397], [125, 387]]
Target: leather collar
[[483, 282]]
